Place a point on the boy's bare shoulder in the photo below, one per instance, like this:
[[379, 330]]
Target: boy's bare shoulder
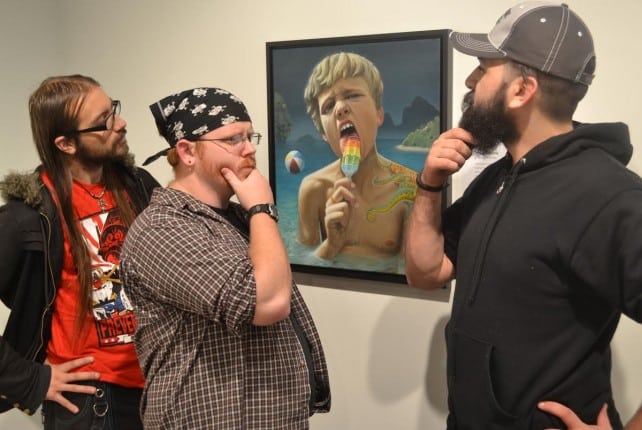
[[323, 177]]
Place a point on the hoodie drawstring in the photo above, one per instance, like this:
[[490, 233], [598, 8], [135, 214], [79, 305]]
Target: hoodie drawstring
[[503, 191]]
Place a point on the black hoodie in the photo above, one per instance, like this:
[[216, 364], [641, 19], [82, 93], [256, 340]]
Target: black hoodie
[[548, 254]]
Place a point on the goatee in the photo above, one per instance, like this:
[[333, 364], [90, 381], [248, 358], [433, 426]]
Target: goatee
[[490, 124]]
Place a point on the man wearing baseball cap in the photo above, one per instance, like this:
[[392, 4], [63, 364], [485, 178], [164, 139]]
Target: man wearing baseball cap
[[544, 244]]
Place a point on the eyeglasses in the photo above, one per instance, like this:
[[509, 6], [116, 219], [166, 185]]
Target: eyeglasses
[[237, 140], [109, 121]]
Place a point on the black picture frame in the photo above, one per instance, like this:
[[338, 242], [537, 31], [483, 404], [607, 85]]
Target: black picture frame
[[416, 70]]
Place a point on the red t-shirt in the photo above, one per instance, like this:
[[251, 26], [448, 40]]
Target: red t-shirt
[[108, 335]]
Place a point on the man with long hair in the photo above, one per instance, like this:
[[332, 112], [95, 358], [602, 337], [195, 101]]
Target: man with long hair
[[61, 231]]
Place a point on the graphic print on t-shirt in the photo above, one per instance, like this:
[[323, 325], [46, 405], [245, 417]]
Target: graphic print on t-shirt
[[112, 311]]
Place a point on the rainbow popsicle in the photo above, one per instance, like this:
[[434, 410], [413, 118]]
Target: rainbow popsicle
[[351, 156]]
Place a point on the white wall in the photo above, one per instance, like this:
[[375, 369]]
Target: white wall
[[29, 49], [384, 343]]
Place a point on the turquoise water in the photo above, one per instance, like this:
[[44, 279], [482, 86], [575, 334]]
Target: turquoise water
[[316, 155]]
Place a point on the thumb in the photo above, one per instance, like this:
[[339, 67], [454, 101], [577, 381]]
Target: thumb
[[229, 176], [603, 418]]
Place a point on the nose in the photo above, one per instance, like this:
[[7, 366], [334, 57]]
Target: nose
[[119, 123], [248, 148], [472, 79], [341, 108]]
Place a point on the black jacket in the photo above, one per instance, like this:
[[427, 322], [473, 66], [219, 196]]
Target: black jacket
[[23, 382], [31, 259], [547, 253]]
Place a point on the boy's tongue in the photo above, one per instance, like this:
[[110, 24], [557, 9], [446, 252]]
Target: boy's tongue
[[345, 138]]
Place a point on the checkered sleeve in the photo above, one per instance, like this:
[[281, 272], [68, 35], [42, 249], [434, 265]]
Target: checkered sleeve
[[168, 264]]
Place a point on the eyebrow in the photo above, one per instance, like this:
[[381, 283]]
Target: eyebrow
[[103, 114]]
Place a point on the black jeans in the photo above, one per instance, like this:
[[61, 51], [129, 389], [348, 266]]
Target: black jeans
[[112, 408]]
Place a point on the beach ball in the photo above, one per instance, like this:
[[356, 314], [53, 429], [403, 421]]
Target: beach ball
[[294, 162]]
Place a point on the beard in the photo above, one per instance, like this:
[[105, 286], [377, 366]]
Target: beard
[[93, 155], [490, 123]]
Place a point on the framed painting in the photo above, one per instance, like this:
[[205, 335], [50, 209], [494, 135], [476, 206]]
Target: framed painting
[[350, 122]]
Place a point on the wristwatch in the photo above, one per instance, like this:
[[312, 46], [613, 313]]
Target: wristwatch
[[267, 208]]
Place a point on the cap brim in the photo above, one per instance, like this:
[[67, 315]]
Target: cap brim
[[475, 44]]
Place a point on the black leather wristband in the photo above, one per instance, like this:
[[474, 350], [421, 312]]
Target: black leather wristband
[[429, 188]]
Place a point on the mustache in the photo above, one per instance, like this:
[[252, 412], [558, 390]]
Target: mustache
[[467, 101]]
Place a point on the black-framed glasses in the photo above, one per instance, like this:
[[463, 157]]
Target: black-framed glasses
[[237, 140], [109, 121]]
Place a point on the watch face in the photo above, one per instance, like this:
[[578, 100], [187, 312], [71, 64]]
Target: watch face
[[273, 211], [267, 208]]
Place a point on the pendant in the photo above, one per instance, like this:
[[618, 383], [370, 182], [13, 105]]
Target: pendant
[[102, 205]]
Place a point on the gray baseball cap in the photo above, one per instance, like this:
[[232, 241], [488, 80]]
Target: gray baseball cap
[[546, 36]]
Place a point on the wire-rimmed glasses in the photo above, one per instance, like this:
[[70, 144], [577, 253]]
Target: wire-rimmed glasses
[[236, 141]]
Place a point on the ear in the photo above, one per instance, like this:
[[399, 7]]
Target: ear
[[186, 151], [522, 91], [66, 144], [379, 117]]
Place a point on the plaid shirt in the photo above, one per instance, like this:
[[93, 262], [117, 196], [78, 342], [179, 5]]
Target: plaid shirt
[[206, 366]]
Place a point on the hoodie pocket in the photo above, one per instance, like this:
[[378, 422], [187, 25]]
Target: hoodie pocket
[[470, 383]]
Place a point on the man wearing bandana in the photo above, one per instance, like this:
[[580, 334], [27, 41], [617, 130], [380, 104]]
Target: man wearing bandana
[[224, 337]]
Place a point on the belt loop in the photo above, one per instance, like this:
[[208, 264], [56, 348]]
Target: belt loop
[[100, 403]]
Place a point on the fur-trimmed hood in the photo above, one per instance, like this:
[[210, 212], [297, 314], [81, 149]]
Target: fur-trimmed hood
[[26, 186], [23, 186]]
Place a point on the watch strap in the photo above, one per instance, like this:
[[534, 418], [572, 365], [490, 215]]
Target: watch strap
[[267, 208]]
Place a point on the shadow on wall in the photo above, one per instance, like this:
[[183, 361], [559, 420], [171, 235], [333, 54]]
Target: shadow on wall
[[625, 385], [618, 384], [436, 384], [403, 350]]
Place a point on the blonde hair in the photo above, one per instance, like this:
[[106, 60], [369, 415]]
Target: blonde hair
[[334, 67]]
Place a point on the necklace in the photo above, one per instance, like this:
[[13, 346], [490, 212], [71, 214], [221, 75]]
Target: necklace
[[98, 196]]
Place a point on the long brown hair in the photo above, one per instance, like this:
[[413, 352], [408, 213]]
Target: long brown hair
[[53, 110]]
